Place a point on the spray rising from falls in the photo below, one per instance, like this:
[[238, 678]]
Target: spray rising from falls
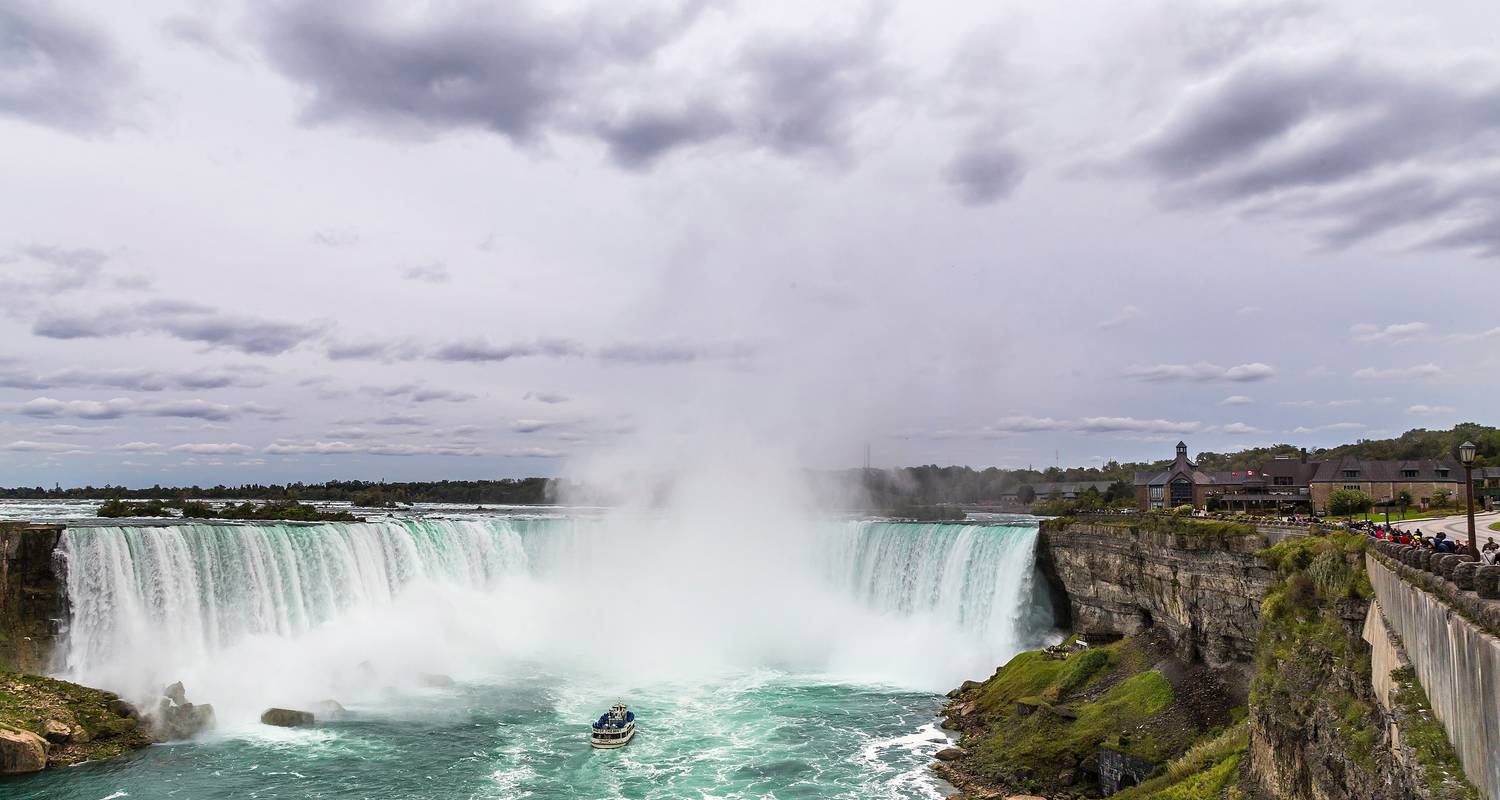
[[259, 615]]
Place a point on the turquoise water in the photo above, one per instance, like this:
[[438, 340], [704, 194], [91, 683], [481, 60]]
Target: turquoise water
[[748, 736], [803, 660]]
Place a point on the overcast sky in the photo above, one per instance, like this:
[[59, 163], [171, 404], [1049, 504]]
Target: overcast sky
[[309, 240]]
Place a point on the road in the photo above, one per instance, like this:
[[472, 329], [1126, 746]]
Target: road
[[1457, 526]]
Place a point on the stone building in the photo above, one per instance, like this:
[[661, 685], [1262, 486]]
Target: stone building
[[1180, 484], [1422, 478]]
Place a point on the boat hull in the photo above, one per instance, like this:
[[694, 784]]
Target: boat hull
[[613, 744]]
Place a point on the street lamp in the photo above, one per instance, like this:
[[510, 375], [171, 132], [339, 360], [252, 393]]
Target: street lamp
[[1466, 455]]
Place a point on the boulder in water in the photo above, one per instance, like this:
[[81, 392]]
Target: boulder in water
[[949, 754], [21, 751], [287, 718], [173, 722], [175, 693], [120, 708]]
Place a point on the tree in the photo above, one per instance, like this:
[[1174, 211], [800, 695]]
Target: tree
[[1348, 502], [1026, 495], [1404, 500], [1441, 497]]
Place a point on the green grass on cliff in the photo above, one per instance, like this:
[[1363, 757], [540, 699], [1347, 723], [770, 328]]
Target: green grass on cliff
[[1165, 523], [29, 701], [1208, 771], [1106, 696]]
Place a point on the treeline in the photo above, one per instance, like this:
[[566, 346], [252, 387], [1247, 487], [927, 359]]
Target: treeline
[[933, 485], [1415, 443], [508, 491], [193, 509]]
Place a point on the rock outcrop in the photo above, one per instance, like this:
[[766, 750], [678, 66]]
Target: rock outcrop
[[286, 718], [73, 723], [21, 751], [1199, 583], [33, 595], [176, 719]]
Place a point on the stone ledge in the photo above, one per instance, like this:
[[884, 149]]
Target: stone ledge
[[1481, 611]]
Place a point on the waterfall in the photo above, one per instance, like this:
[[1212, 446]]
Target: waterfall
[[261, 614]]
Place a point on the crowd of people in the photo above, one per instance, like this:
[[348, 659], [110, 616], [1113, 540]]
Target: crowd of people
[[1438, 542]]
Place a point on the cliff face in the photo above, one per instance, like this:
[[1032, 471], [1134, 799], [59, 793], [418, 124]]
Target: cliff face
[[33, 596], [1199, 583]]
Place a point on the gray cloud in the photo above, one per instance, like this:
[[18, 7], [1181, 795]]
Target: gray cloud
[[417, 393], [1358, 147], [530, 72], [639, 139], [985, 174], [50, 408], [805, 92], [186, 321], [436, 272], [1202, 372], [132, 379], [58, 71], [468, 68], [479, 350], [546, 397], [670, 352]]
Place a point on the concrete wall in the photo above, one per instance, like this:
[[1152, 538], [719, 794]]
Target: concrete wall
[[1458, 665]]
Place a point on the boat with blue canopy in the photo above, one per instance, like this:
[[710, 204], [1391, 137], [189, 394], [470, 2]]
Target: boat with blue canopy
[[613, 729]]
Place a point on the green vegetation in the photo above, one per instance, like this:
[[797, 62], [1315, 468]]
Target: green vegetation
[[285, 510], [1348, 502], [926, 513], [1206, 772], [1441, 770], [1043, 715], [29, 701], [1216, 529], [1304, 641]]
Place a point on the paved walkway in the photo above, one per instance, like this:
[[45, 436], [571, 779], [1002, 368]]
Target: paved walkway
[[1457, 526]]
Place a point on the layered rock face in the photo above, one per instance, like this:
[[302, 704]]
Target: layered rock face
[[33, 595], [1203, 589]]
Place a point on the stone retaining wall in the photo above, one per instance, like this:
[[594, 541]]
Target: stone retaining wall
[[1455, 658]]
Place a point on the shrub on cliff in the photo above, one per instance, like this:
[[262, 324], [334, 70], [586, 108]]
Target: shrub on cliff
[[1044, 720]]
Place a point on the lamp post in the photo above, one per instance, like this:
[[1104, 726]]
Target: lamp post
[[1466, 455]]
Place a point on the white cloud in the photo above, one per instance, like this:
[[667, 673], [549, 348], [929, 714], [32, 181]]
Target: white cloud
[[1236, 400], [214, 449], [1419, 372], [1335, 426], [1422, 410], [1124, 315], [1239, 429], [55, 448], [1395, 333]]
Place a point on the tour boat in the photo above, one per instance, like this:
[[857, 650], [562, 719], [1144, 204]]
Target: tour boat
[[614, 729]]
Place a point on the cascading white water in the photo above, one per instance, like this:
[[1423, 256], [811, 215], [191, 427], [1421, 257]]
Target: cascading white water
[[256, 615]]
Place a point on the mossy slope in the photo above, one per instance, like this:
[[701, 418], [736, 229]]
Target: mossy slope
[[28, 702], [1039, 722]]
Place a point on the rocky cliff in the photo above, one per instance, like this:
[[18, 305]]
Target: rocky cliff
[[33, 595], [1198, 583]]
